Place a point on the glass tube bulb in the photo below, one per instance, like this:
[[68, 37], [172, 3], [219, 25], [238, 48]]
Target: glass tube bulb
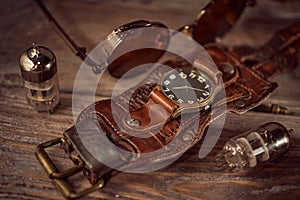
[[250, 149]]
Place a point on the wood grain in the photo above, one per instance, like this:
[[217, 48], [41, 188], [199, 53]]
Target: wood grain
[[89, 21]]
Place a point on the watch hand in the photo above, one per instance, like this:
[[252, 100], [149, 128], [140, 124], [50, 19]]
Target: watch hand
[[188, 87], [196, 89], [182, 87]]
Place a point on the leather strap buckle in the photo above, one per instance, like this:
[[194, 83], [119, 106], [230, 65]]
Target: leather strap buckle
[[59, 177]]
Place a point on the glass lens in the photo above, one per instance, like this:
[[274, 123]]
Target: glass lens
[[139, 47], [216, 18]]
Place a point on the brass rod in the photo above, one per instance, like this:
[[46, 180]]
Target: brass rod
[[80, 51]]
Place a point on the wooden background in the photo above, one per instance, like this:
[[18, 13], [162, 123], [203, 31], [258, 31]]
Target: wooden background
[[88, 22]]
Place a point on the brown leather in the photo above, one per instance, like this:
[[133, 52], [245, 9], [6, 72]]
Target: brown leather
[[156, 111], [216, 18], [120, 62], [246, 87], [279, 55]]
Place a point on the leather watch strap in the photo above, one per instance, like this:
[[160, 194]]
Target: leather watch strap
[[280, 54], [156, 111]]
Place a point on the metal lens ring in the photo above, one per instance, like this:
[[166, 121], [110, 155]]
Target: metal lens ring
[[217, 17], [124, 36]]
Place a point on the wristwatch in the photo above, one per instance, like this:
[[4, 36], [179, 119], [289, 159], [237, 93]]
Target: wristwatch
[[180, 90]]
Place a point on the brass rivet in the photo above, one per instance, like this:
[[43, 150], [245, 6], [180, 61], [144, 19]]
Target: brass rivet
[[187, 137], [206, 107], [228, 68], [133, 122], [291, 50], [239, 103]]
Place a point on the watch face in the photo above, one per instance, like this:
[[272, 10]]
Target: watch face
[[186, 85]]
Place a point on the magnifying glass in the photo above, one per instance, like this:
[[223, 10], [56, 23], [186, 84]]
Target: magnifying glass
[[213, 21]]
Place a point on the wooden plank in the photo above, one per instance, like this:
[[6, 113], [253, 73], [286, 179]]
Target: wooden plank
[[187, 178]]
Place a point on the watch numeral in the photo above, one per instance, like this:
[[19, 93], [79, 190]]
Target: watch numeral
[[192, 75], [200, 99], [172, 76], [167, 82], [201, 79], [205, 93], [171, 96], [166, 90], [190, 102], [180, 101], [206, 86], [182, 75]]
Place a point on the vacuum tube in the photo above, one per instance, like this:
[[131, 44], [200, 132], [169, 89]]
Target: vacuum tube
[[250, 149], [39, 71]]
